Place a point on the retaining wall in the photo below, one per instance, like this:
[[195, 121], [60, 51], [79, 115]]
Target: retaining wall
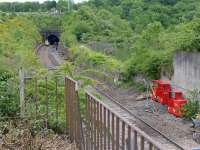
[[187, 70]]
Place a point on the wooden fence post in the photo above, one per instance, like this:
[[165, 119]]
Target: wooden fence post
[[21, 88]]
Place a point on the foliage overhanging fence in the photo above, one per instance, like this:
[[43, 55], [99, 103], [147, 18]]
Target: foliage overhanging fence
[[98, 128], [44, 100], [55, 100]]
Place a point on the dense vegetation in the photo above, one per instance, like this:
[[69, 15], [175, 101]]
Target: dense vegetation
[[143, 34], [142, 12], [17, 44], [130, 37], [61, 6], [191, 109], [128, 30]]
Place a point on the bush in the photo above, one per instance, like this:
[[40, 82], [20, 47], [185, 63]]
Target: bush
[[192, 106], [148, 64], [17, 41], [85, 57], [190, 109], [9, 99], [81, 29], [88, 24]]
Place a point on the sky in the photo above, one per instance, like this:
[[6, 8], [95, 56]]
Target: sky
[[76, 1]]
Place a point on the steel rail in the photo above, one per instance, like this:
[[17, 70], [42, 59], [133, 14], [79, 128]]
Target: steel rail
[[143, 121]]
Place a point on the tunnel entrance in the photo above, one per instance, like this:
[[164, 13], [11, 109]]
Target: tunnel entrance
[[53, 39], [52, 36]]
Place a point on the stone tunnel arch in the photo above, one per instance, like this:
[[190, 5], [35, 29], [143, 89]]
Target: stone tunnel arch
[[52, 36]]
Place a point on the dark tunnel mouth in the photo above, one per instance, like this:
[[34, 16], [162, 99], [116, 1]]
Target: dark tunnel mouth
[[53, 39]]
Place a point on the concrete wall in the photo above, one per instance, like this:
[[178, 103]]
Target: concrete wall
[[187, 70]]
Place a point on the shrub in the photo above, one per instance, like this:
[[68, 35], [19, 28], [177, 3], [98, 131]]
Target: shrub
[[85, 57], [190, 109], [192, 106], [146, 63], [8, 95], [81, 29]]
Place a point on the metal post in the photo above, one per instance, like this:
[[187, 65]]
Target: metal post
[[101, 126], [123, 135], [117, 133], [108, 126], [113, 131], [57, 103], [47, 103], [36, 98], [142, 143], [68, 5], [129, 138], [135, 141], [104, 127], [66, 105], [21, 87]]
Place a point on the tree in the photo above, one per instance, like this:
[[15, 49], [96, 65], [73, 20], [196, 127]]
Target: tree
[[62, 5], [50, 4], [127, 5], [97, 3], [168, 2]]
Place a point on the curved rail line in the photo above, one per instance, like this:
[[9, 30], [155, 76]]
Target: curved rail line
[[132, 114]]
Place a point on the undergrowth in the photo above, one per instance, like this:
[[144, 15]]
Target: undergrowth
[[191, 109]]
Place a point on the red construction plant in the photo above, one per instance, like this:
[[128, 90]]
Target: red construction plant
[[164, 94]]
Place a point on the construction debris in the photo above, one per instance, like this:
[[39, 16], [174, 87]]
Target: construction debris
[[142, 96]]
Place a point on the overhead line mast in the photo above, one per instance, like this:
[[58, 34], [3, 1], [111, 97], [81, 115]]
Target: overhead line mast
[[70, 5]]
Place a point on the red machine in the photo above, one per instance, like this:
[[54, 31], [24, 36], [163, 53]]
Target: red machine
[[163, 93], [175, 103], [160, 91]]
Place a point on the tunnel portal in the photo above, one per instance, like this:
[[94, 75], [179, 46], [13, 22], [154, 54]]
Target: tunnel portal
[[53, 39], [52, 36]]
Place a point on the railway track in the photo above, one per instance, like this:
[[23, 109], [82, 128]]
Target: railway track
[[50, 57], [158, 135]]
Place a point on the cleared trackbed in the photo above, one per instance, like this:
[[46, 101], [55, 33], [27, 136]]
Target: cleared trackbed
[[121, 109]]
